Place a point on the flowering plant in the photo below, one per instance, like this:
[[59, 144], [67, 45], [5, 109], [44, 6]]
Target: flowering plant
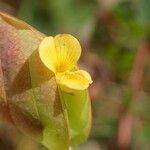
[[42, 91]]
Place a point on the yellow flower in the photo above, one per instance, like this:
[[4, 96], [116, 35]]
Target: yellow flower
[[60, 54]]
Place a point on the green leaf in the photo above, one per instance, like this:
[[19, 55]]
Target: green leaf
[[29, 96]]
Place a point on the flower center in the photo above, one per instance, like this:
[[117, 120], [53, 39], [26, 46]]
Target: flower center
[[60, 67]]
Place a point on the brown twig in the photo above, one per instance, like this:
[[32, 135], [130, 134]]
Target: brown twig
[[136, 83]]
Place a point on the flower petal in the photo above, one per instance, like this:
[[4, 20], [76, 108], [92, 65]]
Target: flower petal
[[60, 53], [47, 52], [74, 81], [68, 51]]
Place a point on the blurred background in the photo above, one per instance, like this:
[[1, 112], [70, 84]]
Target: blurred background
[[115, 38]]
